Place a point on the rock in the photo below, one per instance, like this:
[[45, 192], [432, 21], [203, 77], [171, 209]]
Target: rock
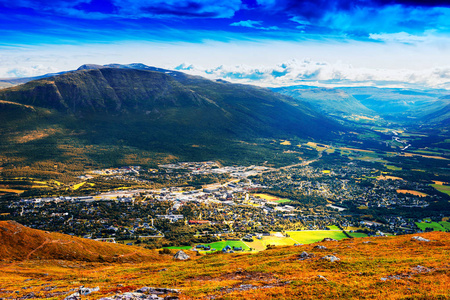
[[391, 277], [329, 240], [322, 277], [74, 296], [245, 287], [305, 255], [180, 255], [419, 239], [81, 291], [421, 269], [157, 291], [331, 258], [143, 289], [320, 247], [133, 296], [28, 296], [87, 291]]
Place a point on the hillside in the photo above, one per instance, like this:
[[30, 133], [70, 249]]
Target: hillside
[[440, 116], [327, 100], [398, 267], [20, 243], [109, 114], [401, 104]]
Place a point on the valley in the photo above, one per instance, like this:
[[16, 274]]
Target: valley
[[139, 162]]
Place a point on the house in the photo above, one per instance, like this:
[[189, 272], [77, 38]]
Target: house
[[226, 249]]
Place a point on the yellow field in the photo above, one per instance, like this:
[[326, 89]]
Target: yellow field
[[287, 143], [326, 171], [40, 182], [266, 197], [317, 147], [415, 193], [426, 156], [353, 149], [382, 177], [12, 191], [439, 182], [77, 186]]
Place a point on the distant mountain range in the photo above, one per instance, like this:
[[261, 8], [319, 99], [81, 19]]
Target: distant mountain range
[[402, 105]]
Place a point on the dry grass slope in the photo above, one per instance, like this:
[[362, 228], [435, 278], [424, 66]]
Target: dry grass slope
[[19, 243], [369, 268]]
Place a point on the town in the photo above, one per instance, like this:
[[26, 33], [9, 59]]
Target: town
[[205, 202]]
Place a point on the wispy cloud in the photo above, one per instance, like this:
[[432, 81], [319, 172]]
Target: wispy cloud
[[253, 24]]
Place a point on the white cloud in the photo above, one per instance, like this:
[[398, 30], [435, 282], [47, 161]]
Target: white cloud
[[324, 74], [399, 37], [253, 24]]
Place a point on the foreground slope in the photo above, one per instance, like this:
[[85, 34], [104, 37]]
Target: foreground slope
[[20, 243], [368, 268]]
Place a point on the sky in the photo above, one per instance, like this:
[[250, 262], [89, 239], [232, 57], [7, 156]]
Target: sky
[[264, 42]]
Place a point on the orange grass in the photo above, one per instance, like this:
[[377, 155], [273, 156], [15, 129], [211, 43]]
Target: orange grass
[[274, 274]]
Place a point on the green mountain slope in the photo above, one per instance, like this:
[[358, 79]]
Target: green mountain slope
[[127, 112], [326, 100]]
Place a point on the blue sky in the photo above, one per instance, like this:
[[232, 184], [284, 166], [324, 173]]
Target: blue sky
[[242, 40]]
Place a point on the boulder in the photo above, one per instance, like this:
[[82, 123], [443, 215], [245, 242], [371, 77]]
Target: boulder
[[320, 247], [305, 255], [419, 239], [181, 255], [329, 240], [331, 258]]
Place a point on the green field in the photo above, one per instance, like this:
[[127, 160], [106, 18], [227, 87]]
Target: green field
[[308, 237], [179, 247], [446, 225], [393, 168], [442, 188], [357, 234], [436, 226], [333, 227], [220, 245], [282, 201]]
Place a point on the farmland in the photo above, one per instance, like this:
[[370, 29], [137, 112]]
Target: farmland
[[220, 245], [312, 236], [436, 226], [442, 188]]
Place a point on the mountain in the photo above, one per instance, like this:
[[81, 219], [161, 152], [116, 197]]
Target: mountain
[[438, 117], [126, 111], [400, 103], [327, 100], [8, 82], [397, 267], [20, 243]]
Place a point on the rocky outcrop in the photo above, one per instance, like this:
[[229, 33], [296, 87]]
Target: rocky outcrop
[[181, 255]]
